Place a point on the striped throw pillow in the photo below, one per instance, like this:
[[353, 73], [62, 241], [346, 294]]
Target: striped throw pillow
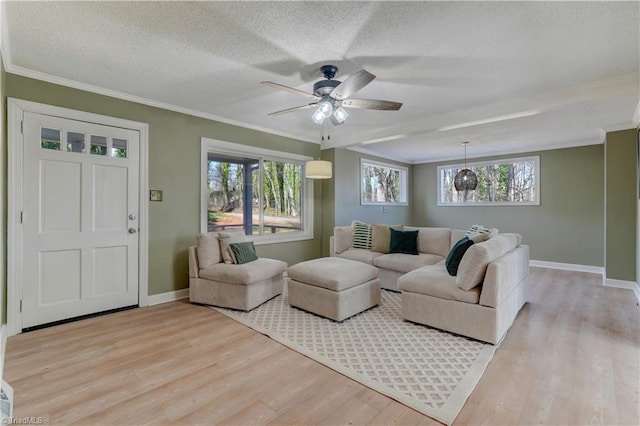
[[361, 235]]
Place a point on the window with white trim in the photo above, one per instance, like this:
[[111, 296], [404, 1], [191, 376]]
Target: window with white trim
[[383, 183], [510, 182], [260, 191]]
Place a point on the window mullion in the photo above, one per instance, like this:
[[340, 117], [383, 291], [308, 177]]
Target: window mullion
[[261, 202]]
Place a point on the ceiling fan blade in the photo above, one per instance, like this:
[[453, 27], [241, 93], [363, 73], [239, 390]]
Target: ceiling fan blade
[[352, 84], [290, 90], [284, 111], [371, 104]]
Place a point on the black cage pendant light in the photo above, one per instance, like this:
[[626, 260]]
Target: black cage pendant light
[[465, 180]]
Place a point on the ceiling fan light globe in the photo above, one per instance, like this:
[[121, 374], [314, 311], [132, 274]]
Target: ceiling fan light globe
[[325, 108], [340, 114], [318, 116]]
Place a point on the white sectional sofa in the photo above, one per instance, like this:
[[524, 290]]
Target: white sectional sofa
[[433, 244], [481, 301]]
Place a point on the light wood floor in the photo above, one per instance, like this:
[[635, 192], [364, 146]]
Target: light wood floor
[[571, 357]]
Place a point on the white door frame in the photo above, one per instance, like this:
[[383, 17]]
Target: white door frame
[[15, 110]]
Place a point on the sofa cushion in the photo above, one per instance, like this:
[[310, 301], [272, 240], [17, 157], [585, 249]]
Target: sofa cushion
[[360, 255], [247, 273], [403, 263], [381, 237], [343, 237], [208, 250], [332, 273], [403, 242], [435, 281], [227, 238], [518, 237], [474, 263], [433, 240], [243, 252], [361, 235], [460, 248], [456, 235]]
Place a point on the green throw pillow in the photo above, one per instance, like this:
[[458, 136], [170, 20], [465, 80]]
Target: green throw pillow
[[455, 255], [244, 252], [403, 242]]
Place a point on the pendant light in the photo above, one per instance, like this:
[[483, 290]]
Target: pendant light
[[318, 169], [465, 180]]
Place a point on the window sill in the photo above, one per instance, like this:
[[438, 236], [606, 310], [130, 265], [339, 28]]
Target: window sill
[[281, 239]]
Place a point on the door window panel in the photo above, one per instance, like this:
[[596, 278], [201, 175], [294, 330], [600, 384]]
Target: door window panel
[[119, 148], [50, 138], [98, 145], [75, 142]]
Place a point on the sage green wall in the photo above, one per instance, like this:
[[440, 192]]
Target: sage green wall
[[174, 167], [3, 200], [567, 226], [622, 195], [347, 193], [328, 202]]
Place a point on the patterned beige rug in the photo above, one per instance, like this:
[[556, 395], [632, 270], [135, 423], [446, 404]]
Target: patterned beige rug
[[428, 370]]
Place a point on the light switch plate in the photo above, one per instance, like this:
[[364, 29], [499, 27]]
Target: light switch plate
[[155, 195]]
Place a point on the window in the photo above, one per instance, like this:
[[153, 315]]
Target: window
[[382, 183], [512, 182], [50, 139], [260, 191]]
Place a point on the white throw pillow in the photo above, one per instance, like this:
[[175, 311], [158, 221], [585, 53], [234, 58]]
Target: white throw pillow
[[474, 263], [208, 250], [343, 236], [491, 232], [227, 238]]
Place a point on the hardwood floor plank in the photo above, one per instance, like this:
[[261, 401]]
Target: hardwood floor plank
[[323, 399], [352, 411], [398, 414], [258, 413], [571, 357]]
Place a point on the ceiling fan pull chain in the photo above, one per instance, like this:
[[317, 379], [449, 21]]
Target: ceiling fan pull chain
[[325, 130]]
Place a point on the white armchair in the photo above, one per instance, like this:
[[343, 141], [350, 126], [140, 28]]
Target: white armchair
[[243, 287]]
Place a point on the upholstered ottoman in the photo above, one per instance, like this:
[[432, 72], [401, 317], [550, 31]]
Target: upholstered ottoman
[[333, 287]]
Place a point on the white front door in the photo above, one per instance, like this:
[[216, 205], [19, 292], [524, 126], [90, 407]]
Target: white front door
[[80, 218]]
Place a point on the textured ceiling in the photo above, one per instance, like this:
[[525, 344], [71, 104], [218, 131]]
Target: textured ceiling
[[576, 64]]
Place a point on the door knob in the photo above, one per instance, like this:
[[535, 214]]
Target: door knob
[[132, 216], [132, 230]]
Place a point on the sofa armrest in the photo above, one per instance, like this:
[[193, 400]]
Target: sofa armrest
[[193, 262], [503, 275], [332, 246]]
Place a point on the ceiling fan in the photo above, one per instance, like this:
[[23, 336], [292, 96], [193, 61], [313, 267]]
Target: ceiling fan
[[331, 97]]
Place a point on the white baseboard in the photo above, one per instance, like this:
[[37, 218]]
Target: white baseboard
[[170, 296], [609, 282], [567, 266], [629, 285]]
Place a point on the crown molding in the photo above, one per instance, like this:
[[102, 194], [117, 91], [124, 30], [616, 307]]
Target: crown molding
[[37, 75]]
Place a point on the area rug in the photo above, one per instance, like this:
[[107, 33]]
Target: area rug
[[428, 370]]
